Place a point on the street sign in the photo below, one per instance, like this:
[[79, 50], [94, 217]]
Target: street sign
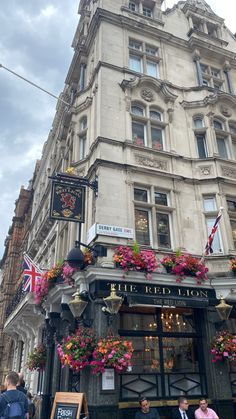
[[69, 406]]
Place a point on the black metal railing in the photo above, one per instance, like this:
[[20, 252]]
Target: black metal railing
[[18, 297]]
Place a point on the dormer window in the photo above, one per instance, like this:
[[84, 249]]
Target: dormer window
[[212, 29], [211, 76], [147, 12], [133, 6], [144, 7]]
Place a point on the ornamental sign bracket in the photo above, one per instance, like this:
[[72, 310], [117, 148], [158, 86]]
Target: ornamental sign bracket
[[74, 180]]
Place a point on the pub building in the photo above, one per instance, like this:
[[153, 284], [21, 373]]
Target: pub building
[[150, 132]]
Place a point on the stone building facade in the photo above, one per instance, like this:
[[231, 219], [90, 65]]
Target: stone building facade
[[151, 114], [15, 244]]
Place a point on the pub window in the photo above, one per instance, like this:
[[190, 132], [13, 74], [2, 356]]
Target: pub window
[[140, 195], [143, 58], [231, 204], [200, 136], [148, 127], [222, 148], [221, 138], [163, 230], [211, 76], [209, 203], [167, 348], [152, 222], [201, 146], [147, 11], [232, 130], [217, 244], [133, 6]]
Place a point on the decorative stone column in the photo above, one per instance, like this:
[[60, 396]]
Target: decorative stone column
[[227, 70], [196, 59], [51, 327]]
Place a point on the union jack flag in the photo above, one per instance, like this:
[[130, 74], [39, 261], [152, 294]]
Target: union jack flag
[[208, 248], [31, 274]]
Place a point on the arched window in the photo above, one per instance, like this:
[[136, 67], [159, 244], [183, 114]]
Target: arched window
[[147, 127], [198, 122], [218, 124], [155, 115], [137, 110]]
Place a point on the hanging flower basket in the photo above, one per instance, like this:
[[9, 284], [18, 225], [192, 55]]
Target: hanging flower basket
[[224, 346], [112, 352], [134, 259], [60, 273], [183, 265], [37, 359], [77, 349]]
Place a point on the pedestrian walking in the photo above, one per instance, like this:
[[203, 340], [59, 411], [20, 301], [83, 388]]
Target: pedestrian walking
[[13, 403]]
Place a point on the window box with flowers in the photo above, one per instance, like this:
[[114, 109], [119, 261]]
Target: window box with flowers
[[76, 350], [134, 259], [37, 359], [183, 265], [112, 352], [224, 346]]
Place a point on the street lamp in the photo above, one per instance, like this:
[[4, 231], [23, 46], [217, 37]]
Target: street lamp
[[113, 302], [223, 309], [77, 305], [75, 257]]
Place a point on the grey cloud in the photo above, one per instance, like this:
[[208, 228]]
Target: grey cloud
[[35, 40]]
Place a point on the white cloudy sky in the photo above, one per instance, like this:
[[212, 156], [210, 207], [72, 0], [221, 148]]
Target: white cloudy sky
[[35, 40]]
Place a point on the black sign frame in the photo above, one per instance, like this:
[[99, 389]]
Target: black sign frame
[[160, 295], [72, 205], [73, 407]]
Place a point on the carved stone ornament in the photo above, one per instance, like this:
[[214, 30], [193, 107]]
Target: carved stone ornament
[[147, 94], [150, 162], [205, 170], [225, 111], [228, 171]]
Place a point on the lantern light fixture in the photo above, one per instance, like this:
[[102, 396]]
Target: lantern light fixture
[[113, 302], [223, 309], [77, 305]]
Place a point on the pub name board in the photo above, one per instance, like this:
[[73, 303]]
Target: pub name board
[[155, 294]]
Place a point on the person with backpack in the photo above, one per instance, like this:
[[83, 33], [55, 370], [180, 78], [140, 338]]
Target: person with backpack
[[13, 403]]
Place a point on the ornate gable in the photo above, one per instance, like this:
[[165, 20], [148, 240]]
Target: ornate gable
[[148, 88]]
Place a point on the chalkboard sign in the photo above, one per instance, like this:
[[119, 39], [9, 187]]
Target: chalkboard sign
[[69, 406], [65, 411]]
